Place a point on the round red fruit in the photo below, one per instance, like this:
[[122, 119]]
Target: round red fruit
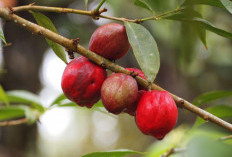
[[110, 41], [140, 73], [82, 81], [156, 113], [119, 92], [8, 3]]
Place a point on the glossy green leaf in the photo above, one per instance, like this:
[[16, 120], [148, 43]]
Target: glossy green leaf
[[25, 97], [211, 96], [113, 153], [143, 4], [225, 4], [2, 36], [11, 112], [221, 111], [3, 97], [145, 49], [44, 21]]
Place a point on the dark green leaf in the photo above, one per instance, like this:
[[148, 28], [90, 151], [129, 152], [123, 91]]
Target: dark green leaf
[[114, 153], [11, 112], [145, 49], [2, 36], [25, 97], [3, 96], [220, 111], [211, 96], [44, 21], [201, 33], [143, 4], [225, 4]]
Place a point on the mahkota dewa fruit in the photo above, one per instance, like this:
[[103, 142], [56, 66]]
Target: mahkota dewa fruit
[[82, 81], [132, 109], [8, 3], [119, 92], [140, 74], [110, 41], [156, 113]]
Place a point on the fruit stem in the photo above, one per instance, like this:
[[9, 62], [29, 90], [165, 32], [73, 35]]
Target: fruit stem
[[96, 11]]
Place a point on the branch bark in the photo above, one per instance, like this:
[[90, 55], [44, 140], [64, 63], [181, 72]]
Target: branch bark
[[72, 46], [14, 122]]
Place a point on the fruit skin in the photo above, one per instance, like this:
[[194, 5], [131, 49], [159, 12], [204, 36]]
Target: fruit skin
[[141, 74], [82, 81], [119, 92], [110, 41], [156, 113], [8, 3], [132, 109]]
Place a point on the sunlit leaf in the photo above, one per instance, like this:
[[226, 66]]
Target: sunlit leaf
[[2, 36], [3, 96], [143, 4], [113, 153], [58, 99], [11, 112], [44, 21], [211, 96], [145, 49], [221, 111], [25, 97], [225, 4]]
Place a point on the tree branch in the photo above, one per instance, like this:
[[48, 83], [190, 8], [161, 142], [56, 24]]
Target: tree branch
[[14, 122], [71, 45]]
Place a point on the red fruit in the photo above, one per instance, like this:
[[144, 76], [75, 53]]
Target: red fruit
[[119, 92], [156, 113], [82, 81], [141, 74], [8, 3], [132, 109], [110, 41]]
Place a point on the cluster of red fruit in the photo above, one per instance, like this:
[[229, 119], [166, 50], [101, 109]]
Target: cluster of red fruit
[[85, 83]]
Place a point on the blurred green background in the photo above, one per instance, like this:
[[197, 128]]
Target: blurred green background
[[187, 69]]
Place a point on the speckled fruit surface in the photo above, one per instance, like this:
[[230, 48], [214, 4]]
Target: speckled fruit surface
[[119, 92], [82, 81], [110, 41], [156, 113]]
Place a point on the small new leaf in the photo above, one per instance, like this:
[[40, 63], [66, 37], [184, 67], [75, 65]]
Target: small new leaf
[[143, 4], [145, 49], [3, 97], [44, 21]]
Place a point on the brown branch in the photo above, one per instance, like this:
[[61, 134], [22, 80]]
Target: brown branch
[[14, 122], [226, 138], [70, 45]]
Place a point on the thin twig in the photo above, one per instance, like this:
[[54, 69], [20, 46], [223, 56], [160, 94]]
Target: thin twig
[[226, 138], [70, 45], [99, 6], [14, 122], [173, 151]]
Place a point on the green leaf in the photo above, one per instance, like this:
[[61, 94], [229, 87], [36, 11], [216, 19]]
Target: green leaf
[[220, 111], [211, 96], [114, 153], [44, 21], [58, 99], [143, 4], [201, 33], [3, 97], [11, 112], [225, 4], [25, 97], [145, 49], [2, 36]]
